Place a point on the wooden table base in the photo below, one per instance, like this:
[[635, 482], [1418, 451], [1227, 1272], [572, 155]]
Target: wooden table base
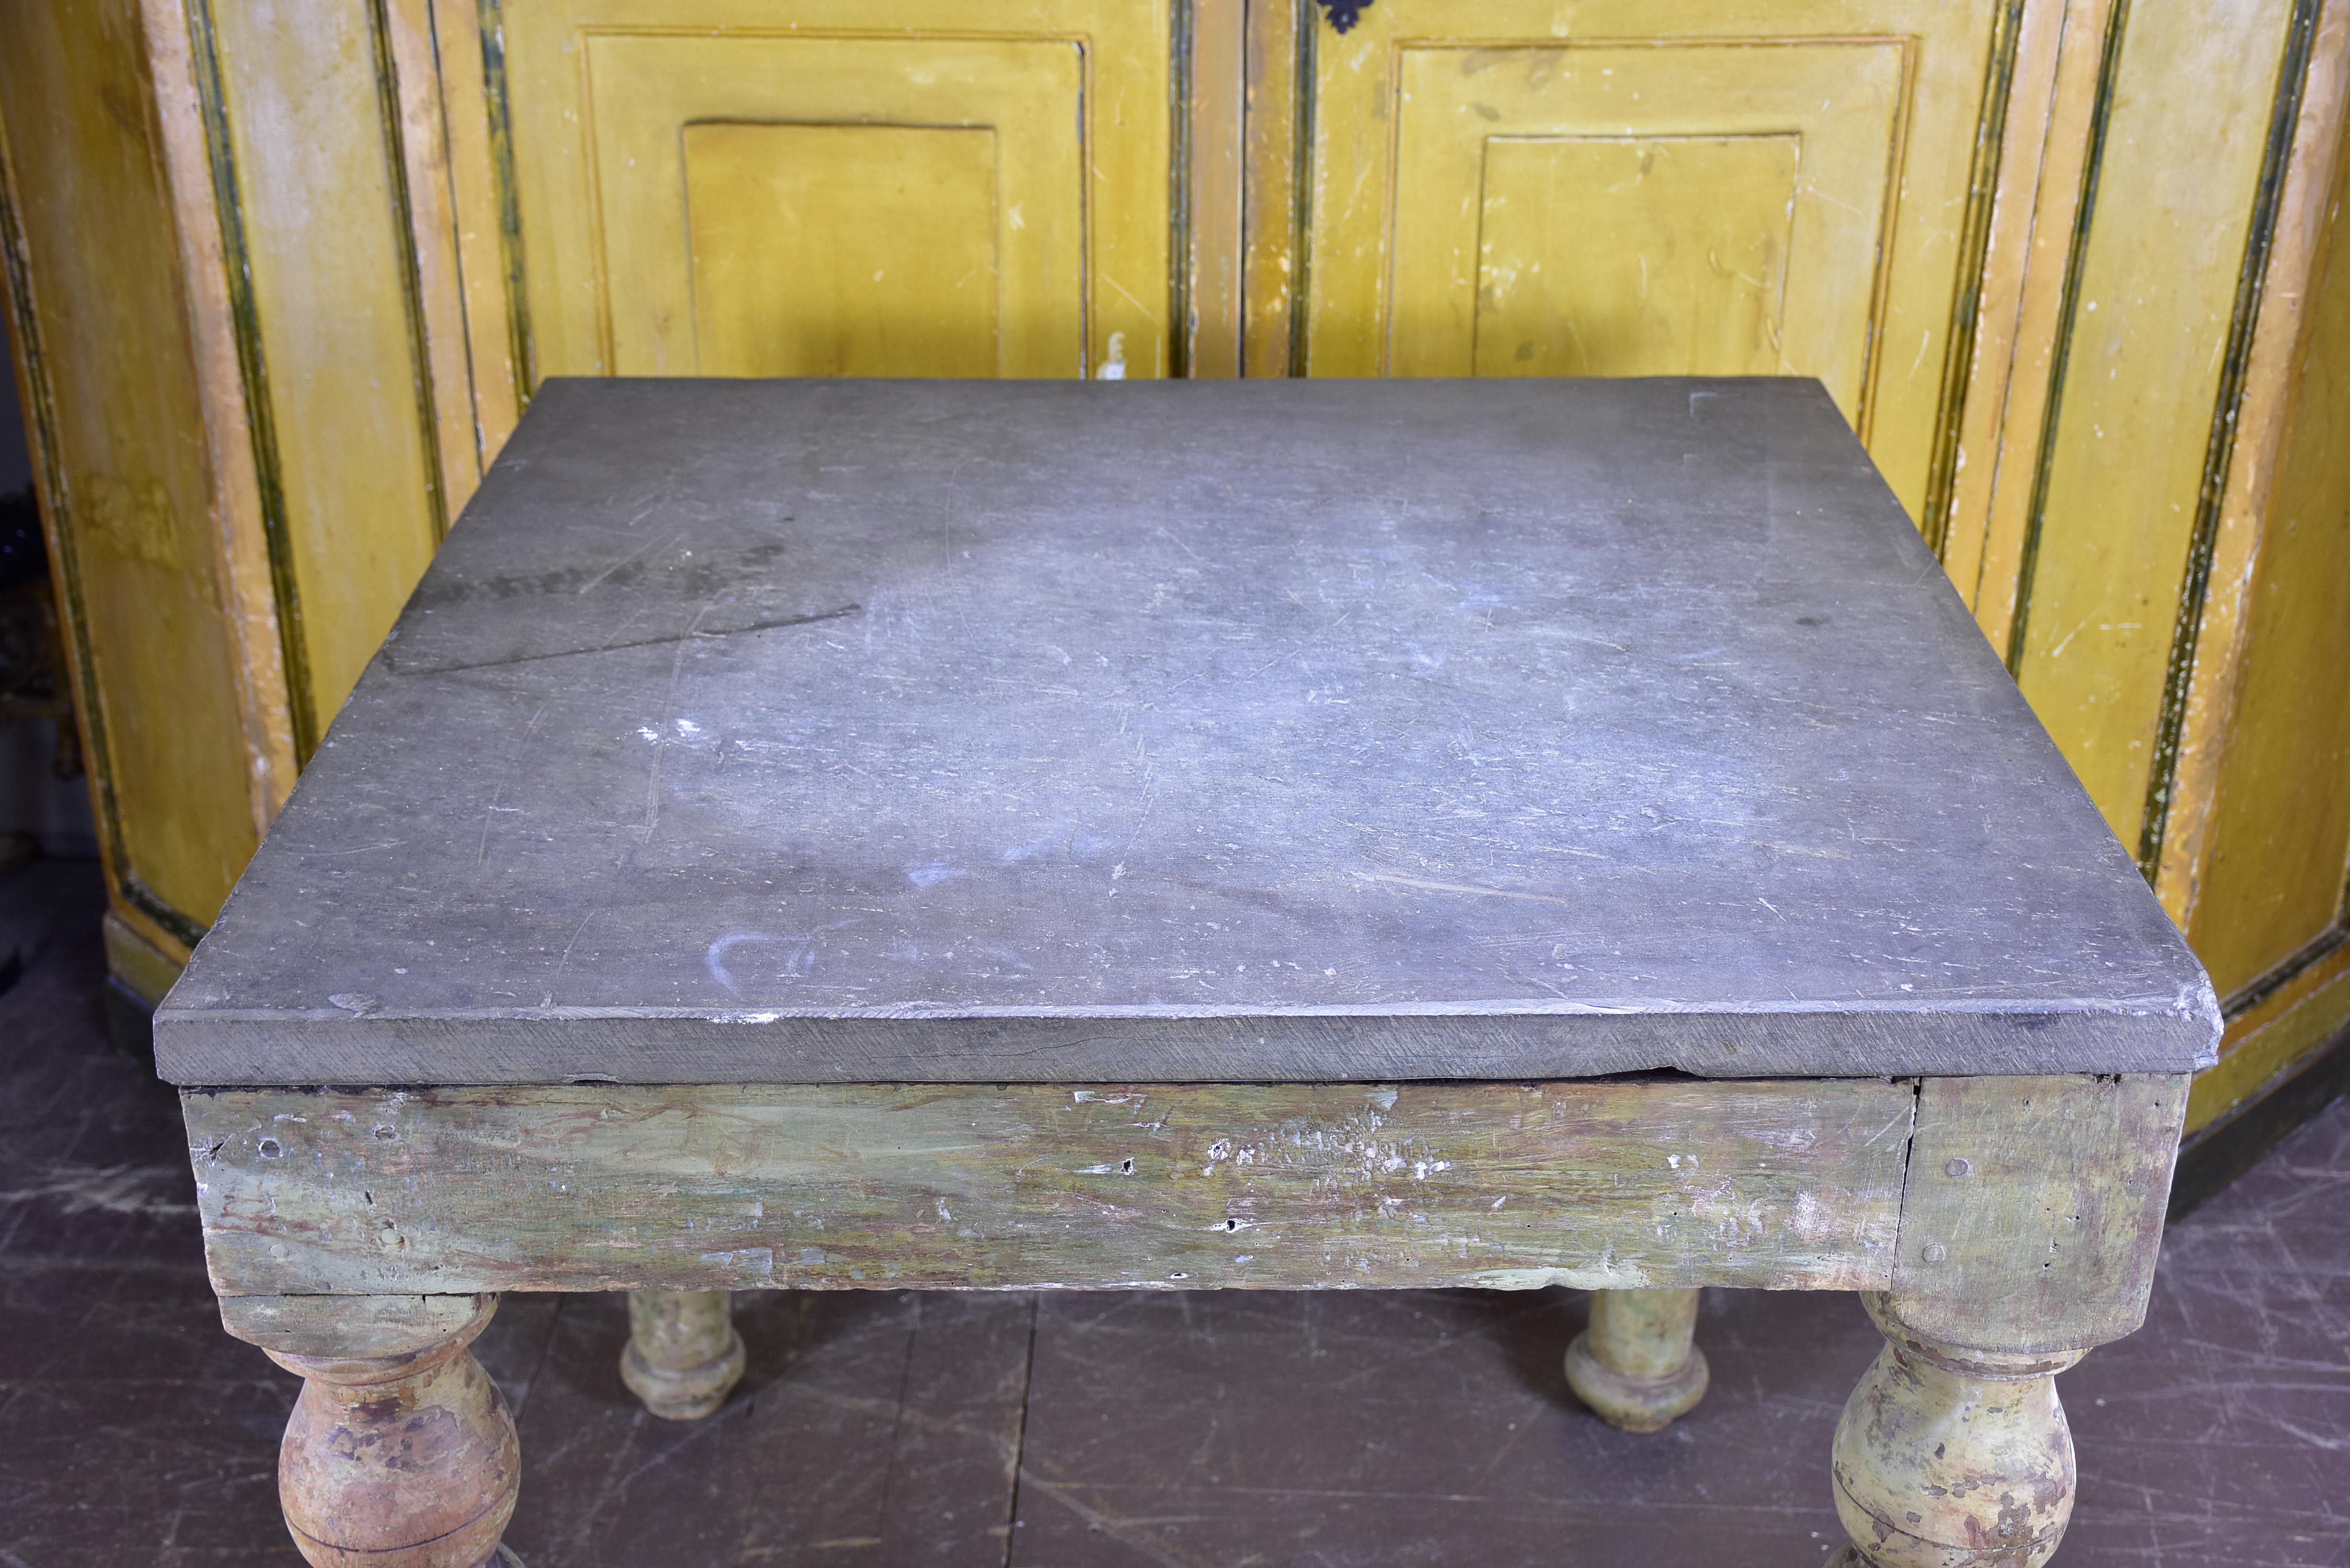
[[401, 1453], [1997, 1228], [683, 1355], [1635, 1365]]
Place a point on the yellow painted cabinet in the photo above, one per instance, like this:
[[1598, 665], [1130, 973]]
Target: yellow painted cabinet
[[1658, 187], [2068, 265], [839, 187]]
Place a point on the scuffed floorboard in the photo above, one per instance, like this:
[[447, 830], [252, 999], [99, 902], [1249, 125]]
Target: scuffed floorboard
[[866, 1429], [1374, 1430], [1405, 1428]]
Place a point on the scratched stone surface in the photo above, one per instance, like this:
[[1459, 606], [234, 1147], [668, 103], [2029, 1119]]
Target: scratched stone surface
[[889, 1430], [982, 731]]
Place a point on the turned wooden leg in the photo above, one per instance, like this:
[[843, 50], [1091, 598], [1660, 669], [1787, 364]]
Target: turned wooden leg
[[1635, 1365], [1950, 1458], [683, 1354], [401, 1452]]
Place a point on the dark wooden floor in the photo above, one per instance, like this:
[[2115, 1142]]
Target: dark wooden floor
[[1363, 1430]]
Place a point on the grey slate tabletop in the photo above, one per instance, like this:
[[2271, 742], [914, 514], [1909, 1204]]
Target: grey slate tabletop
[[975, 731]]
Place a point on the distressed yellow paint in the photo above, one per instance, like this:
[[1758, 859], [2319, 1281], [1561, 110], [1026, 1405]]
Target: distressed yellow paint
[[800, 259], [1423, 106], [324, 240], [1271, 235], [488, 348], [425, 163], [143, 967], [2289, 319], [820, 246], [2280, 854], [1616, 256], [657, 241], [2267, 1044], [2158, 292], [1532, 230], [1219, 197], [108, 375], [2050, 104]]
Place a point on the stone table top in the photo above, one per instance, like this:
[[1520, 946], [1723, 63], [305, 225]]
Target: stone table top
[[973, 731]]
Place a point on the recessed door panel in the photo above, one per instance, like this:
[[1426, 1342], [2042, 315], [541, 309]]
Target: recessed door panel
[[1696, 209], [809, 187], [798, 242], [1633, 255], [1502, 187]]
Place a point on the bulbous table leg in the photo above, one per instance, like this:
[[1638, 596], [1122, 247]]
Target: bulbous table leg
[[403, 1460], [1950, 1458], [683, 1355], [1635, 1365]]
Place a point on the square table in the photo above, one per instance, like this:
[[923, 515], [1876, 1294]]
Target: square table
[[817, 834]]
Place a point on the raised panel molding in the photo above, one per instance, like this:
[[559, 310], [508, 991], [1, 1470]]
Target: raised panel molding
[[738, 188], [1591, 204], [1428, 122], [824, 206], [1636, 256], [851, 250]]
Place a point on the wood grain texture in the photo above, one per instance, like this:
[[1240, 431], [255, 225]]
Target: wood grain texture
[[799, 260], [417, 127], [2034, 1209], [146, 969], [1693, 209], [603, 1187]]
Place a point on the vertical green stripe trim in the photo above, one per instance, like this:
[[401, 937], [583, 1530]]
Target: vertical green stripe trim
[[2219, 446], [245, 326], [492, 14], [412, 278], [1300, 193], [2076, 251], [149, 903], [1182, 41], [1974, 249]]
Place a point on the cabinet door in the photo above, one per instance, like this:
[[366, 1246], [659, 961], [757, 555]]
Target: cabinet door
[[1661, 187], [814, 187]]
